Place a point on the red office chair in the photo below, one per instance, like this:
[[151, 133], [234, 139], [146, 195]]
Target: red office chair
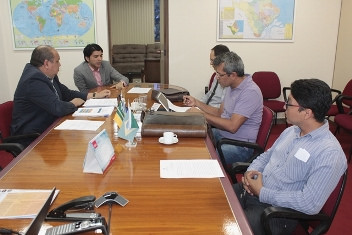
[[259, 146], [8, 146], [347, 91], [344, 119], [269, 84], [309, 224]]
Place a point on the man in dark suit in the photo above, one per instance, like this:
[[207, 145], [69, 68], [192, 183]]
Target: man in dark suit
[[94, 71], [40, 98]]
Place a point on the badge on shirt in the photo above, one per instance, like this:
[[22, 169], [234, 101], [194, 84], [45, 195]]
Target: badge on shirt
[[302, 155]]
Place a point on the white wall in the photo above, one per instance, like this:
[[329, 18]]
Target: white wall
[[192, 31], [312, 54]]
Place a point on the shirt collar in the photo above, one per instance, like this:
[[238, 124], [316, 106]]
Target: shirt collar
[[316, 133], [91, 68]]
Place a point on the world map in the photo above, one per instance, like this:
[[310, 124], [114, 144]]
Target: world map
[[256, 19], [59, 23]]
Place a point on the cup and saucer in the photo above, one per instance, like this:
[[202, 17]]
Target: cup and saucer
[[168, 138], [162, 141]]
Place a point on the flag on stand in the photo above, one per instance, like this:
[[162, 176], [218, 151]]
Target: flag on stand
[[129, 127], [119, 115]]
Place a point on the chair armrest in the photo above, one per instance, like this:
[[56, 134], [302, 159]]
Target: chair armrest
[[338, 92], [257, 149], [14, 148], [281, 212], [239, 167], [16, 138], [339, 101]]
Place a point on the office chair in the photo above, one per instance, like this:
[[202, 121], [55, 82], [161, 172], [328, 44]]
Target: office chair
[[270, 86], [344, 119], [309, 224], [5, 123], [258, 146]]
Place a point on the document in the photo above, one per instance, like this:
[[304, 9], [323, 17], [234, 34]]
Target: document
[[101, 102], [93, 112], [22, 203], [82, 125], [138, 90], [177, 108], [200, 168]]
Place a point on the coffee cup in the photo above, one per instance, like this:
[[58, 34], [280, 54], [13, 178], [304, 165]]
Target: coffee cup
[[169, 137]]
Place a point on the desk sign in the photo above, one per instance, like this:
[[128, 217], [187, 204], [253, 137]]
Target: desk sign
[[100, 154]]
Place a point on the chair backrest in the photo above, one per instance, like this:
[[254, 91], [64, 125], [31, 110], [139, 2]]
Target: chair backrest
[[330, 206], [348, 92], [5, 118], [265, 127], [269, 84]]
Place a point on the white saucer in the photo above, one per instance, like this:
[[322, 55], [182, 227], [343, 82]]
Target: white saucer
[[161, 140]]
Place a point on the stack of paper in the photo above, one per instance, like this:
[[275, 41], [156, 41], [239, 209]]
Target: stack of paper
[[93, 112]]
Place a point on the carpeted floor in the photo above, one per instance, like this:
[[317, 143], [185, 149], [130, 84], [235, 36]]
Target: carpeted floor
[[343, 216]]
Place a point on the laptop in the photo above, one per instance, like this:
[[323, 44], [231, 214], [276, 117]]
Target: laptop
[[36, 224], [161, 98]]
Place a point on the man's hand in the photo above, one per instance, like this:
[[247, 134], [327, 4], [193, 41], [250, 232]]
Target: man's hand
[[103, 94], [120, 85], [253, 182], [77, 102], [189, 101]]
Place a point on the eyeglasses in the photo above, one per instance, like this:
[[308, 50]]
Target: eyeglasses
[[293, 105], [220, 75]]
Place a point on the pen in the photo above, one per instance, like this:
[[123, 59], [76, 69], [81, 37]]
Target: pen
[[99, 110]]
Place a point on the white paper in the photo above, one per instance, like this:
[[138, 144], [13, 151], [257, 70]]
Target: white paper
[[302, 155], [138, 90], [84, 125], [101, 102], [202, 168], [93, 112], [177, 108]]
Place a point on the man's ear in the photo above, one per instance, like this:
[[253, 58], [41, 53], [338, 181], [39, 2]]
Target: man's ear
[[309, 113]]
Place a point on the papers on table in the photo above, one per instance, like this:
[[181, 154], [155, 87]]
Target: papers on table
[[202, 168], [22, 203], [84, 125], [101, 102], [93, 112], [176, 108], [138, 90]]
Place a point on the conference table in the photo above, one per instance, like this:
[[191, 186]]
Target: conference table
[[156, 205]]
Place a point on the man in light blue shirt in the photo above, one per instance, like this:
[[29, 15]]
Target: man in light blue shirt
[[302, 167]]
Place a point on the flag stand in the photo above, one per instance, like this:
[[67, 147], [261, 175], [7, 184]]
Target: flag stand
[[131, 143]]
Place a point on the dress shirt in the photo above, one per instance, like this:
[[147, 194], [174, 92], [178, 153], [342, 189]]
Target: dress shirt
[[300, 172], [96, 73]]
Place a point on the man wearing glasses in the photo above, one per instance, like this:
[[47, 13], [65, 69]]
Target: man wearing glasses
[[302, 167], [240, 114]]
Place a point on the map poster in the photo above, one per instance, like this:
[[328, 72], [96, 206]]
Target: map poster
[[255, 20], [59, 23]]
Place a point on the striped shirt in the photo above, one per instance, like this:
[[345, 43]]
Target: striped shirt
[[300, 172]]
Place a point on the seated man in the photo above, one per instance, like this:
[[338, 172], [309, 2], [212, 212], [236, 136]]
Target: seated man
[[40, 98], [240, 114], [216, 93], [94, 71], [302, 167]]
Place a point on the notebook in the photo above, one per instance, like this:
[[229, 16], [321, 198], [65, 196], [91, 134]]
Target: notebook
[[36, 224]]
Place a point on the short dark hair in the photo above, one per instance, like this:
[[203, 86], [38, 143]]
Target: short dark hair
[[220, 49], [232, 63], [40, 54], [89, 49], [313, 94]]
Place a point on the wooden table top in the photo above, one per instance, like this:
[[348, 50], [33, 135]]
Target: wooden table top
[[156, 206]]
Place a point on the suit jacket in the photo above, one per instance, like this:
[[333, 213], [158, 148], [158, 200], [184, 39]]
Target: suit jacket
[[36, 105], [85, 80]]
